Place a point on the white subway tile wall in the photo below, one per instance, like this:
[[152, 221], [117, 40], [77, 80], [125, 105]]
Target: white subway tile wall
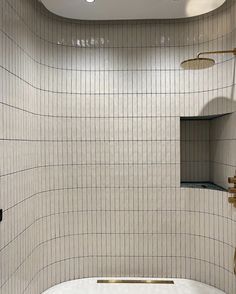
[[90, 149]]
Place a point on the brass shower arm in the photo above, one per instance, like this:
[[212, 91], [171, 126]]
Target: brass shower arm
[[217, 52]]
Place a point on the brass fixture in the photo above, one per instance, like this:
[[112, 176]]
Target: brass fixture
[[232, 190], [235, 262], [202, 62], [135, 282]]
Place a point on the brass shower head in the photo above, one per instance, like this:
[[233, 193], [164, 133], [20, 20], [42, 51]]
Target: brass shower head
[[197, 63], [202, 62]]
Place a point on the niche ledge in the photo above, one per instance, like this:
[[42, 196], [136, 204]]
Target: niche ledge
[[202, 185]]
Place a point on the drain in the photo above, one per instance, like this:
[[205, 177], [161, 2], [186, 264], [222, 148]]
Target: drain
[[135, 282]]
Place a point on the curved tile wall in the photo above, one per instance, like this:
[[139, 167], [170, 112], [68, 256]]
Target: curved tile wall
[[90, 180], [17, 237]]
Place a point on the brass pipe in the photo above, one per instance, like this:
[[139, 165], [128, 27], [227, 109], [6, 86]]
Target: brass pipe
[[232, 200], [232, 180], [235, 262], [232, 190], [217, 52]]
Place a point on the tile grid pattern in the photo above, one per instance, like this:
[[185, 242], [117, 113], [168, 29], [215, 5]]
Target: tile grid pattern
[[90, 149]]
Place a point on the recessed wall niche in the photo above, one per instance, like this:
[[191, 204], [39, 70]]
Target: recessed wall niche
[[200, 139]]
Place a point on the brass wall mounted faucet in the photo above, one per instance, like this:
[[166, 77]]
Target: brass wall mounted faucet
[[232, 190]]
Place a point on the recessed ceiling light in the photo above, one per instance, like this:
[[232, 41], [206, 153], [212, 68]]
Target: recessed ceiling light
[[90, 1]]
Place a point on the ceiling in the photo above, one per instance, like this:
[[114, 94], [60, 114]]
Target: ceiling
[[130, 9]]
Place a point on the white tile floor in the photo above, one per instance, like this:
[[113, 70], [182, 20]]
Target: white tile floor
[[90, 286]]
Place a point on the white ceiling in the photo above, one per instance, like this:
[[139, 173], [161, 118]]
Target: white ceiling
[[130, 9]]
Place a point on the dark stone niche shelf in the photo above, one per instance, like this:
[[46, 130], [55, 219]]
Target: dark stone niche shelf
[[202, 185]]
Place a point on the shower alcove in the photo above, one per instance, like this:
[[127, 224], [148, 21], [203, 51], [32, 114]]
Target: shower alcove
[[90, 150]]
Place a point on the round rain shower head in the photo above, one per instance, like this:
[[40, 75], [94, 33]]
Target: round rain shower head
[[197, 63]]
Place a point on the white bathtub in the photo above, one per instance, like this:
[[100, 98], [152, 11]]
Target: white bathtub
[[90, 286]]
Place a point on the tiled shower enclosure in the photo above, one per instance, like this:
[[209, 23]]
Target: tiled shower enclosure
[[90, 173]]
